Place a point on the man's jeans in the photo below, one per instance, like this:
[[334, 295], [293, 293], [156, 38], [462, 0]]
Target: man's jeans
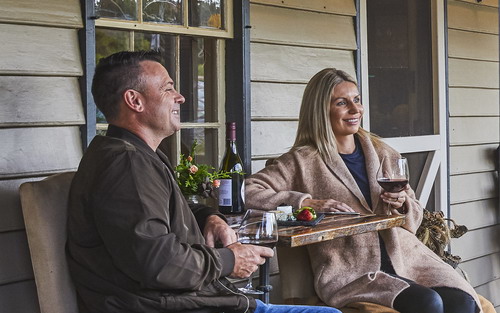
[[274, 308]]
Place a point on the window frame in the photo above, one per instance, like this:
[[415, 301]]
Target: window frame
[[233, 90], [436, 169]]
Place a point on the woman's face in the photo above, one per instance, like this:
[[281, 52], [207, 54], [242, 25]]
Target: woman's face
[[346, 109]]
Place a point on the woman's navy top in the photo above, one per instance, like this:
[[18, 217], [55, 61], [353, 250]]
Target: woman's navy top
[[355, 162]]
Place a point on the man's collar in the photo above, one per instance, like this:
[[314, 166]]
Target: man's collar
[[121, 133]]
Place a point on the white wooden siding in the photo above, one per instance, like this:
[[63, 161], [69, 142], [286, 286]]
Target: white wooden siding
[[473, 73], [309, 29], [341, 7], [472, 17], [38, 151], [474, 102], [464, 44], [34, 50], [278, 63], [271, 138], [474, 130], [29, 101], [10, 210], [276, 101], [471, 159], [484, 241], [60, 13], [473, 187], [474, 136], [476, 214]]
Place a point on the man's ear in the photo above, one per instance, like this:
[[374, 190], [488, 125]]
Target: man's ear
[[134, 100]]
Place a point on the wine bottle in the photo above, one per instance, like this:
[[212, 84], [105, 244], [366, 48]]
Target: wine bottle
[[231, 190]]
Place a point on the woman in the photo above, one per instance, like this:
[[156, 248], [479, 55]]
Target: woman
[[332, 167]]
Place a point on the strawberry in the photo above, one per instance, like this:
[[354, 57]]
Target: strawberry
[[305, 214]]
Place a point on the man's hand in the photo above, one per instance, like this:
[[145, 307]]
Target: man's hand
[[327, 205], [247, 258], [218, 230]]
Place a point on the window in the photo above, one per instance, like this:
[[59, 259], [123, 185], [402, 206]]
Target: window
[[190, 36], [404, 89]]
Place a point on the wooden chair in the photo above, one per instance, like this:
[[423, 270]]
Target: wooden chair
[[297, 285], [44, 205]]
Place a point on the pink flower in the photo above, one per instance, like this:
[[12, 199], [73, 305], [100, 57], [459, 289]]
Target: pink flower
[[216, 183], [189, 158], [193, 169]]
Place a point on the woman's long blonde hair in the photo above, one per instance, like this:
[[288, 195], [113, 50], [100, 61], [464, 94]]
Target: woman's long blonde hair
[[315, 129]]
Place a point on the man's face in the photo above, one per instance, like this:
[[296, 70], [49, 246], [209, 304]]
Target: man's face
[[162, 101]]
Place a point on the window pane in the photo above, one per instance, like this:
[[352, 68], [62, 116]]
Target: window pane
[[117, 9], [162, 11], [108, 42], [206, 152], [400, 67], [165, 44], [198, 79], [206, 13]]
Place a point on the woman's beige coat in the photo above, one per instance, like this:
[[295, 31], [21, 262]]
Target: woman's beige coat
[[346, 269]]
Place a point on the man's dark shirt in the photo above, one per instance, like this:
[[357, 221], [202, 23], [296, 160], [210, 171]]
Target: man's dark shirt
[[134, 245]]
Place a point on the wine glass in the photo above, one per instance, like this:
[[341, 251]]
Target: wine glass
[[257, 228], [393, 174]]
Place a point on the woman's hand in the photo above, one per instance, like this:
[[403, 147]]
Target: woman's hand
[[396, 199], [328, 205]]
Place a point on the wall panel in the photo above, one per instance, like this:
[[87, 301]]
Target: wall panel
[[39, 151], [473, 187], [274, 63], [471, 73], [10, 209], [285, 26], [274, 100], [272, 138], [484, 240], [34, 50], [476, 214], [28, 101], [471, 45], [470, 159], [467, 16], [474, 102], [345, 7], [481, 270], [490, 292], [474, 130], [61, 13]]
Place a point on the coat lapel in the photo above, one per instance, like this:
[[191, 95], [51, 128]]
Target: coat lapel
[[372, 161], [338, 168]]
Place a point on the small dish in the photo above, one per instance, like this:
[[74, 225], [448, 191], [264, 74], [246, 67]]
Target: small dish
[[314, 222]]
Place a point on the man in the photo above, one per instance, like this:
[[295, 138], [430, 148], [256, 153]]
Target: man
[[134, 245]]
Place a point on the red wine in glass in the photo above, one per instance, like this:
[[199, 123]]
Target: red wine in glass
[[392, 185], [393, 174]]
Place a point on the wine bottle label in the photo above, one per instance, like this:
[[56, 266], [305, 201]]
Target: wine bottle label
[[225, 197]]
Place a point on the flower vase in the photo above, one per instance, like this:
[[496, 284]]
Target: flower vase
[[195, 199]]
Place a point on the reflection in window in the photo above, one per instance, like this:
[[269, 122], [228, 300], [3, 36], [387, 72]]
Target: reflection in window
[[117, 9], [197, 59], [206, 13], [400, 67], [162, 11]]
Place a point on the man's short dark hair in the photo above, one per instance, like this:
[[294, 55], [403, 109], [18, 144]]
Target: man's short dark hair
[[115, 74]]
